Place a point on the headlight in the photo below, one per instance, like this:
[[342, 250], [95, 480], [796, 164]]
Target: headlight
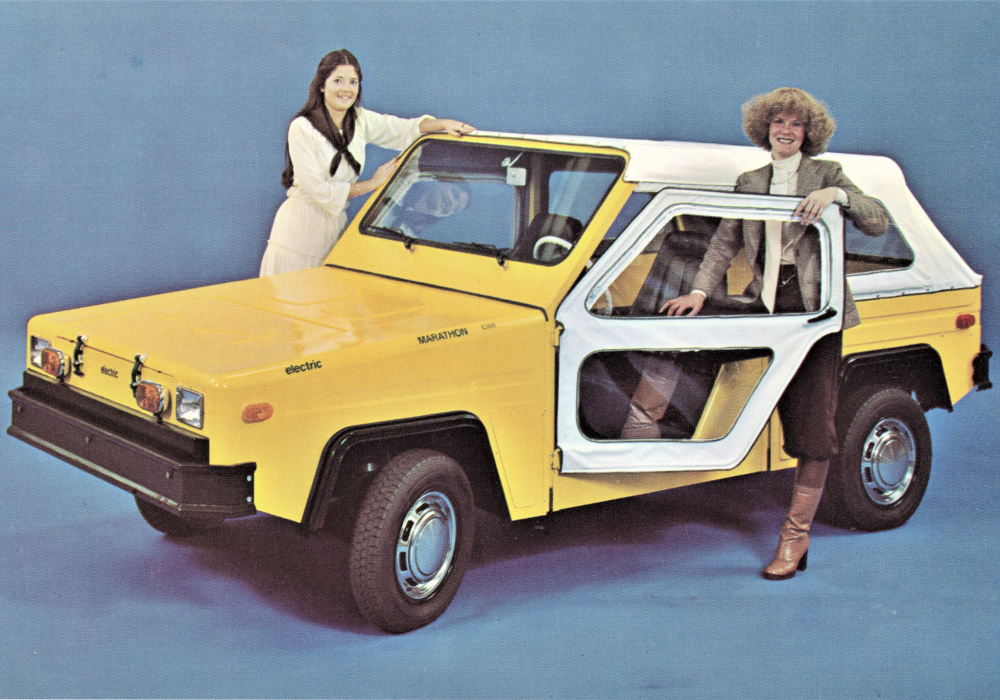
[[190, 407], [37, 345]]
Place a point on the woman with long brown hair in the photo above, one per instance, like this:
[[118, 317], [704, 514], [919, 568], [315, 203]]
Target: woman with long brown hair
[[324, 155]]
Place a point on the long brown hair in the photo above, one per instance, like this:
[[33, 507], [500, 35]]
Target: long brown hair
[[316, 112]]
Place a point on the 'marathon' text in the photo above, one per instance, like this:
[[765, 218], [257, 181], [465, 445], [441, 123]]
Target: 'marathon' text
[[447, 335]]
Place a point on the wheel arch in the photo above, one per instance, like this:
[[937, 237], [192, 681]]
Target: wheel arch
[[354, 455], [913, 368]]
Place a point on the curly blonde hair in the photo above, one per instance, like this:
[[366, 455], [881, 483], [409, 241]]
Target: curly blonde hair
[[758, 113]]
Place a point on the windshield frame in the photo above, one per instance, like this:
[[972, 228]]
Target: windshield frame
[[526, 171]]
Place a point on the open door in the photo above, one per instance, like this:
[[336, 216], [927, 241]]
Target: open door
[[721, 373]]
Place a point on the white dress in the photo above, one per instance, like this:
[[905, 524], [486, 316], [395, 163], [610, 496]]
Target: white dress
[[311, 220]]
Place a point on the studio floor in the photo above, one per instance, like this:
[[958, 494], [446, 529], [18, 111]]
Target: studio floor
[[656, 597]]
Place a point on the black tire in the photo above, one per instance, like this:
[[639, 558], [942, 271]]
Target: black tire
[[880, 476], [418, 509], [173, 525]]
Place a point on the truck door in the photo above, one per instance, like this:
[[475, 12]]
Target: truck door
[[718, 375]]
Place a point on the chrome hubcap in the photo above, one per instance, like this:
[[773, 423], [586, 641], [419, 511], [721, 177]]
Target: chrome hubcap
[[888, 461], [426, 545]]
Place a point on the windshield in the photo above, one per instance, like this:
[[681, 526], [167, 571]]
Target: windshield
[[512, 203]]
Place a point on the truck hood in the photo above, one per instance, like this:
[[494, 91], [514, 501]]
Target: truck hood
[[257, 324]]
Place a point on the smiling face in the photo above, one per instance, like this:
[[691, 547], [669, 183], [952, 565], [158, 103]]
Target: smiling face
[[787, 132], [340, 90]]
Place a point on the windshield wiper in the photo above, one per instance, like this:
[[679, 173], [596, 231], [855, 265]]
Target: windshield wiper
[[408, 241], [499, 253]]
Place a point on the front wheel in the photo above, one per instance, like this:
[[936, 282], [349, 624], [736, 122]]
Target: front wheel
[[412, 541], [879, 478]]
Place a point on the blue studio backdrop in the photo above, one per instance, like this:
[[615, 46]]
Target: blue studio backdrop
[[142, 148]]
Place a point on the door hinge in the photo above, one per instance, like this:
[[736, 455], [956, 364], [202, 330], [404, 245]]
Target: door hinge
[[557, 331], [556, 462]]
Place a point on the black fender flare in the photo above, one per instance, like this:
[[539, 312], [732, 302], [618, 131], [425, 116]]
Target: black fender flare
[[355, 454], [913, 368]]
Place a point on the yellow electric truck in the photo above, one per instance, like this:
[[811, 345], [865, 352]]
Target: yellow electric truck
[[474, 340]]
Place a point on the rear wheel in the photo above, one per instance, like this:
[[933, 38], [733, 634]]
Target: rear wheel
[[412, 541], [171, 524], [880, 476]]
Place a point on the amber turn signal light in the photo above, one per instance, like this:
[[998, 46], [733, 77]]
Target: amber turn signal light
[[152, 397], [54, 362], [965, 321], [257, 412]]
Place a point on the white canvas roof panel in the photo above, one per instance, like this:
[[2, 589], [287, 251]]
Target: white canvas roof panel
[[654, 165]]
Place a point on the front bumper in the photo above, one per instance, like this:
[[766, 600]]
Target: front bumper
[[158, 462]]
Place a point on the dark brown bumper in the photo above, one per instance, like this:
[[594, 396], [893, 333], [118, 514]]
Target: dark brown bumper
[[981, 369], [158, 462]]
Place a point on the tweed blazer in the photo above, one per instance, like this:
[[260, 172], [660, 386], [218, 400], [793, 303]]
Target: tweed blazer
[[734, 235]]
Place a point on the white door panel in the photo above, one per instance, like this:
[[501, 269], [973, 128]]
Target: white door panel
[[588, 334]]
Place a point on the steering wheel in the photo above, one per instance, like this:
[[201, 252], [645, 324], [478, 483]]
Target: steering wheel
[[555, 240]]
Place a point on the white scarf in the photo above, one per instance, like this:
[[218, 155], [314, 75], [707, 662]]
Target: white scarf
[[784, 180]]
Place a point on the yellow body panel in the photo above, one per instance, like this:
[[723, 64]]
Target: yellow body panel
[[923, 318]]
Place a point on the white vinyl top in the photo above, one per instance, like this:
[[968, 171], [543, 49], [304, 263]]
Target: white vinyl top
[[658, 164]]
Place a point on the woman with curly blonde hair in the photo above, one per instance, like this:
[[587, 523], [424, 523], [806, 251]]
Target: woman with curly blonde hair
[[794, 127], [758, 113]]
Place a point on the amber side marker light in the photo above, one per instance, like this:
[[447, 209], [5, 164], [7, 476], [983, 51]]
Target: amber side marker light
[[965, 321], [54, 362], [152, 397], [257, 412]]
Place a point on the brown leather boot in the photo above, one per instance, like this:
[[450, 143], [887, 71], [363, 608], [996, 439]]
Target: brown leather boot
[[793, 540], [640, 425], [650, 401]]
